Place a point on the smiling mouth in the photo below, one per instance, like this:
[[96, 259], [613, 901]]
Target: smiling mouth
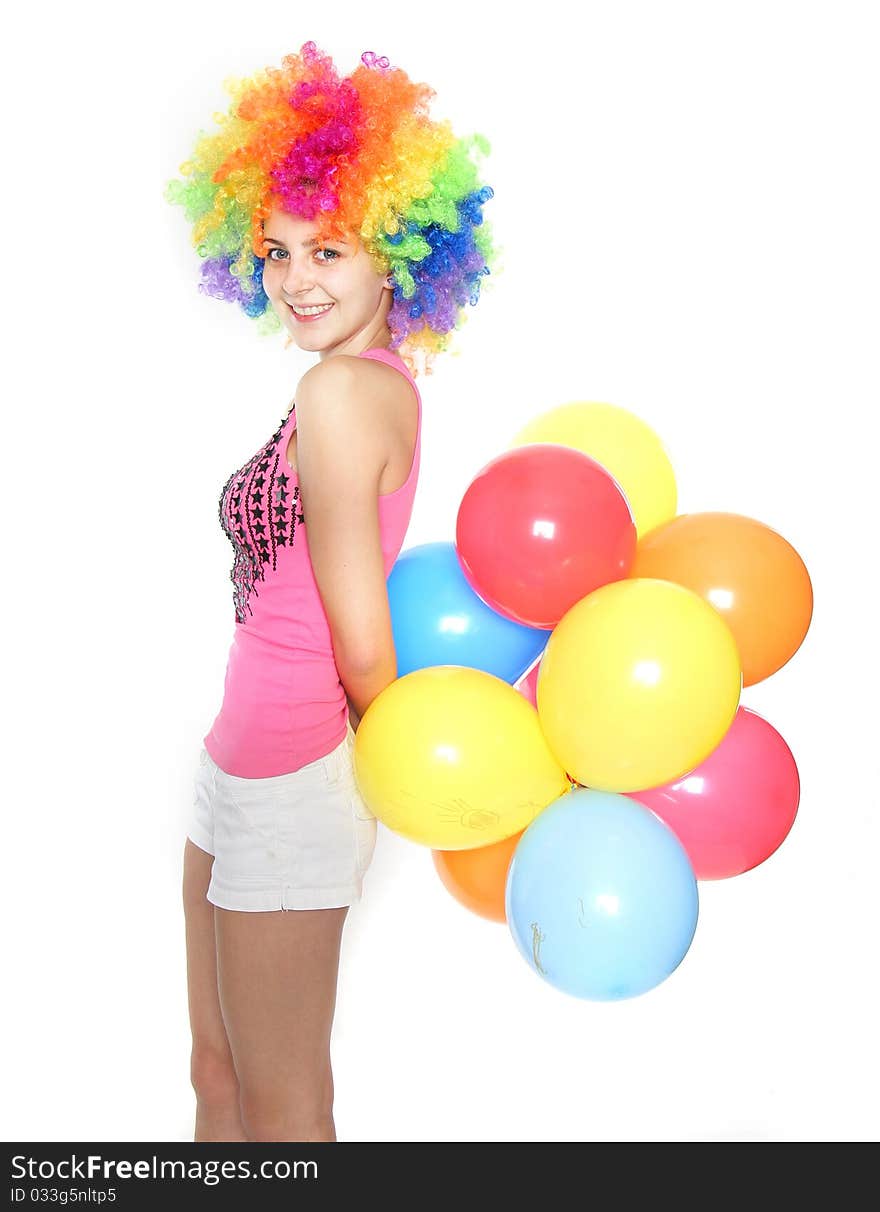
[[308, 312]]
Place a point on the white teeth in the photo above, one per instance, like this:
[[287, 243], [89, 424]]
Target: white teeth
[[311, 311]]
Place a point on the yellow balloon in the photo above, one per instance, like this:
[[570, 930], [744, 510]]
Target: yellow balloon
[[639, 682], [625, 446], [454, 758]]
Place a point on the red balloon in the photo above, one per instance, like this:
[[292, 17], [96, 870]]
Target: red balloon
[[736, 808], [539, 528]]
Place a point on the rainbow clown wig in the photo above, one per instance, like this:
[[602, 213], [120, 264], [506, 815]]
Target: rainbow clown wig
[[356, 155]]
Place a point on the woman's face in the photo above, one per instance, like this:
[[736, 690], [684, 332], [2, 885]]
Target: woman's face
[[297, 273]]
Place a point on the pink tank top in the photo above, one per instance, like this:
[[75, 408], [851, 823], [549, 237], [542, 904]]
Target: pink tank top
[[283, 702]]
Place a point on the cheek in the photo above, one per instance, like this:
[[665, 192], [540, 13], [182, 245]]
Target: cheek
[[272, 287], [273, 273]]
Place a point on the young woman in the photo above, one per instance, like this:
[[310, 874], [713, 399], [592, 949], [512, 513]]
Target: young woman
[[335, 209]]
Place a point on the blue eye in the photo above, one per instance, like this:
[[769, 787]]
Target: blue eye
[[331, 252]]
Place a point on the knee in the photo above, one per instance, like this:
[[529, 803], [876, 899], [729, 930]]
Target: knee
[[306, 1115], [213, 1076], [295, 1127]]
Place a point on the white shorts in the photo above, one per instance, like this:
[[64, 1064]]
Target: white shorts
[[293, 841]]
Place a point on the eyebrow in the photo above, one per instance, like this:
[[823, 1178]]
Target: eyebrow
[[305, 243]]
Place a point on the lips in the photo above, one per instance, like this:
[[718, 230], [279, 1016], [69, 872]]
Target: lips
[[307, 319]]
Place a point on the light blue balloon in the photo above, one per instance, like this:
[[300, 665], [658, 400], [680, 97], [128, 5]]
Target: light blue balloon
[[437, 619], [601, 897]]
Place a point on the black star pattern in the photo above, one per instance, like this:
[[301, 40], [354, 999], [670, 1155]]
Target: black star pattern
[[259, 515]]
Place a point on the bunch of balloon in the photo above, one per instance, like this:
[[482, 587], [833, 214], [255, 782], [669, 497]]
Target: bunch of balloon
[[565, 732], [638, 694]]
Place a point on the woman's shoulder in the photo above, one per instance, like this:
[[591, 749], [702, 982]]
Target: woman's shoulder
[[345, 366], [370, 391], [365, 377]]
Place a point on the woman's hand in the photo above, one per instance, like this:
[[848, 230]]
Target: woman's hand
[[353, 716]]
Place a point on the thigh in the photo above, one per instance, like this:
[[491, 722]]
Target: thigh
[[206, 1019], [277, 975]]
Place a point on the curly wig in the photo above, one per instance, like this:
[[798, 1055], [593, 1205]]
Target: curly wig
[[358, 154]]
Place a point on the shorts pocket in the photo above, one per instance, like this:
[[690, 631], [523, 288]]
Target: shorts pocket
[[366, 828], [361, 810], [336, 764], [363, 820], [255, 807]]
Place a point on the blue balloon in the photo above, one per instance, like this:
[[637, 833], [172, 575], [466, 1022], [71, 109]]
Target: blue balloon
[[437, 619], [601, 897]]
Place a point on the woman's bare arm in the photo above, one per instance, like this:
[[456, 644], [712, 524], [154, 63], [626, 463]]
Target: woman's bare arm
[[341, 453]]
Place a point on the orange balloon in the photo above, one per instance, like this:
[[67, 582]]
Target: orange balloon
[[752, 576], [477, 878]]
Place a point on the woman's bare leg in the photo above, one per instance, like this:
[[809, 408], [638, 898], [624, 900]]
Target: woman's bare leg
[[277, 975], [212, 1072]]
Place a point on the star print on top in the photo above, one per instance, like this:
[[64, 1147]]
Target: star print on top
[[259, 511], [283, 703]]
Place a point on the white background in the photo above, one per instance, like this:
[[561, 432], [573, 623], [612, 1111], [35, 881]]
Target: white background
[[687, 198]]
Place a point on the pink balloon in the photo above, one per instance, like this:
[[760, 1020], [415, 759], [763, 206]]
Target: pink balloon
[[527, 685], [528, 688], [736, 808]]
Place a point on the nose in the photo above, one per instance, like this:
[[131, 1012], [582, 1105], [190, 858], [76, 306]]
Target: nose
[[298, 279]]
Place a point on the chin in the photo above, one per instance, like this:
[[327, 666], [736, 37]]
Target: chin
[[303, 335], [313, 341], [308, 334]]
